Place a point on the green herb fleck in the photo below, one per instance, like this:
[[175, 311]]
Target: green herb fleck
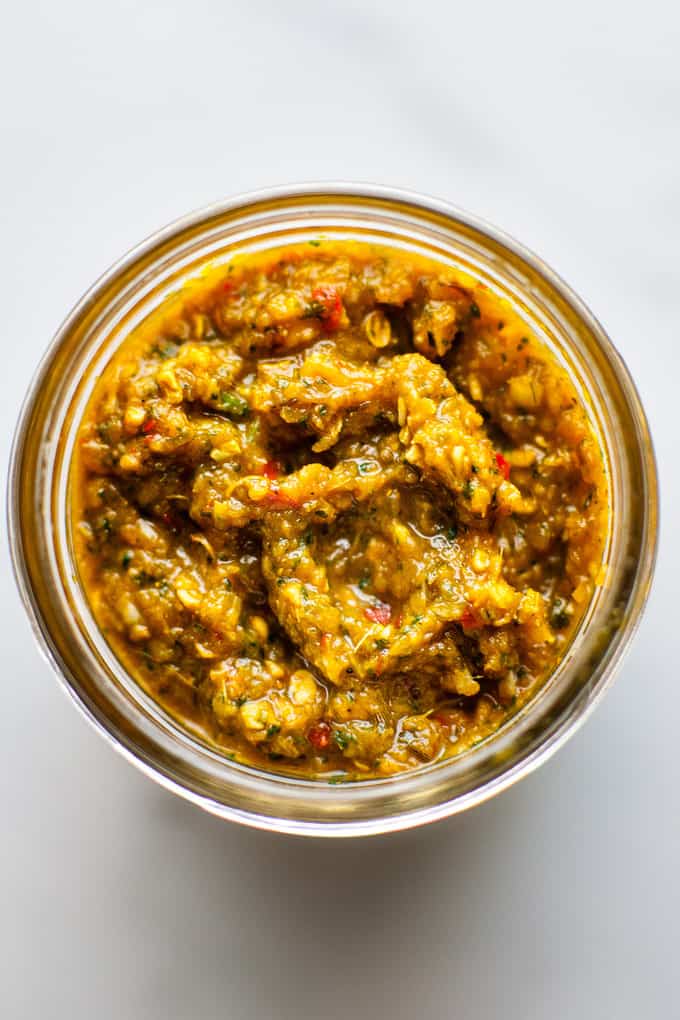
[[233, 405], [252, 430], [559, 616], [314, 310], [365, 580], [342, 739]]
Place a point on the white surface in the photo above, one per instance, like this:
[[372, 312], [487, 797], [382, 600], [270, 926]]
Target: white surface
[[560, 898]]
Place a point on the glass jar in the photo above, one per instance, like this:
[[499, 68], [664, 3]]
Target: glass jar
[[39, 498]]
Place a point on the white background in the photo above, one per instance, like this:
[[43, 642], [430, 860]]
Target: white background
[[559, 123]]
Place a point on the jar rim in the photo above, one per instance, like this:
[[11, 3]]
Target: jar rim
[[135, 738]]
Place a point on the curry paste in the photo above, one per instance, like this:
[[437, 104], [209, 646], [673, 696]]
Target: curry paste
[[338, 510]]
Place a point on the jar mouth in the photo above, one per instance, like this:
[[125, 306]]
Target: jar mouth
[[38, 499]]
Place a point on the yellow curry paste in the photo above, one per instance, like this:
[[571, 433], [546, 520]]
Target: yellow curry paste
[[337, 510]]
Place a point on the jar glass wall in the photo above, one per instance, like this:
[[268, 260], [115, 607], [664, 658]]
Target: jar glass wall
[[39, 501]]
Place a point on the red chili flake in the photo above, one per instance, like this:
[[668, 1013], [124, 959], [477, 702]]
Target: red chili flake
[[228, 286], [399, 619], [380, 613], [271, 470], [503, 466], [445, 717], [328, 297], [319, 736], [280, 501], [469, 619], [150, 425], [325, 642]]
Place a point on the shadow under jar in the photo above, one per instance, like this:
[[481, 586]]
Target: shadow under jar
[[157, 277]]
